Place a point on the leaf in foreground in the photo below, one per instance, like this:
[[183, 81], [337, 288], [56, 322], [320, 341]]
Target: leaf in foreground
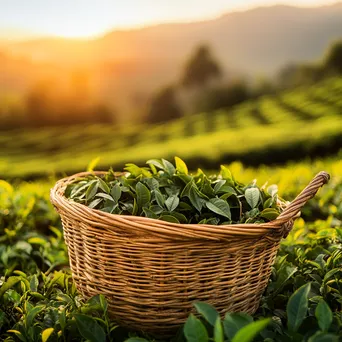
[[324, 315], [194, 330], [297, 307], [247, 333], [207, 311], [89, 328]]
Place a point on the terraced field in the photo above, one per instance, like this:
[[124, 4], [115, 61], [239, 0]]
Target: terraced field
[[295, 124]]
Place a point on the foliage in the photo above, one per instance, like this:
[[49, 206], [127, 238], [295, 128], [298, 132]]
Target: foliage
[[224, 96], [300, 123], [201, 68], [333, 60], [302, 302], [167, 192], [164, 106]]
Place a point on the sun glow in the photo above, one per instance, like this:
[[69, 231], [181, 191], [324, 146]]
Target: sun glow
[[90, 19]]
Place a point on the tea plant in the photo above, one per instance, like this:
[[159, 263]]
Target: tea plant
[[167, 192], [38, 301]]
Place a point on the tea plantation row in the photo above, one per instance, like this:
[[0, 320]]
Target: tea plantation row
[[38, 301], [290, 126]]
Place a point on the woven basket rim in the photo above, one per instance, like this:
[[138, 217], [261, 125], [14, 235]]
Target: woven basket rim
[[252, 230]]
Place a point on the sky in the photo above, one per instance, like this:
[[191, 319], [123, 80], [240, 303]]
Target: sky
[[92, 18]]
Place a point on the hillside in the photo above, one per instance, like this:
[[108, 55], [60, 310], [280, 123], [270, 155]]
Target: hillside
[[291, 126], [123, 63]]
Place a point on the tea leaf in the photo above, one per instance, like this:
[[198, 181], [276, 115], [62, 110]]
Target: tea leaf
[[252, 197], [46, 334], [225, 173], [169, 218], [10, 282], [297, 307], [143, 195], [194, 330], [324, 315], [248, 332], [171, 203], [233, 322], [270, 214], [89, 328], [219, 206], [95, 203], [116, 192], [181, 166], [207, 311], [218, 331], [93, 164], [168, 167]]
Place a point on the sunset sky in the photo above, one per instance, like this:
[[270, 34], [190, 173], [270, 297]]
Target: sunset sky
[[90, 18]]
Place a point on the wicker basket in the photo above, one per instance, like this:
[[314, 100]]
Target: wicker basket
[[152, 271]]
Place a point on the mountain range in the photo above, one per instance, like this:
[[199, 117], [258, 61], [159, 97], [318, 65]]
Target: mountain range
[[254, 42]]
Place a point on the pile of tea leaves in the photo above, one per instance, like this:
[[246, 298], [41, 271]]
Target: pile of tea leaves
[[166, 191]]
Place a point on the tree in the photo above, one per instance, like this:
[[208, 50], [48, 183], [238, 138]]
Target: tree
[[333, 60], [164, 106], [224, 96], [201, 68]]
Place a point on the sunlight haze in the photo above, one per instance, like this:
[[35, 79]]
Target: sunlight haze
[[21, 19]]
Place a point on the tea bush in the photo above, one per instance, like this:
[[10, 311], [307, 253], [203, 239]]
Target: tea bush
[[38, 301]]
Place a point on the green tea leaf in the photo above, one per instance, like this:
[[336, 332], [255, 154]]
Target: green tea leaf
[[324, 315], [143, 195], [89, 328], [218, 331], [172, 202], [103, 185], [105, 196], [46, 333], [32, 314], [219, 185], [252, 196], [168, 167], [248, 332], [225, 173], [93, 164], [297, 307], [233, 322], [95, 203], [159, 198], [169, 218], [116, 192], [323, 337], [181, 166], [207, 311], [194, 330], [156, 162], [149, 213], [8, 284], [269, 214], [219, 206], [34, 283], [195, 199], [92, 190]]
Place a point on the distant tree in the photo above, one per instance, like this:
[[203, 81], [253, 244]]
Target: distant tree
[[333, 60], [104, 115], [38, 103], [164, 106], [200, 69], [295, 75], [262, 86], [224, 96]]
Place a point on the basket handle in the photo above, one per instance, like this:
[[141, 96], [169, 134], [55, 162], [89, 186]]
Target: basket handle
[[293, 209]]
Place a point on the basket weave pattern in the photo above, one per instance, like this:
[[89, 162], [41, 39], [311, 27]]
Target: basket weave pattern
[[152, 271]]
